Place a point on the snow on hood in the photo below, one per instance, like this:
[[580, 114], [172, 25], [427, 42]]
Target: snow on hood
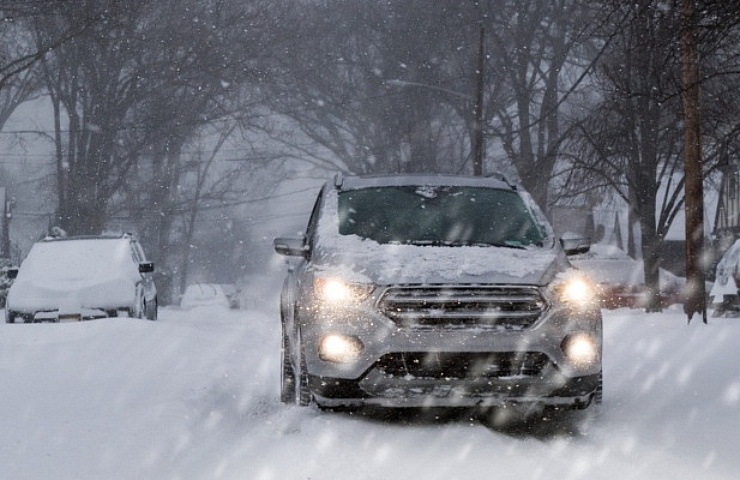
[[367, 261], [362, 260]]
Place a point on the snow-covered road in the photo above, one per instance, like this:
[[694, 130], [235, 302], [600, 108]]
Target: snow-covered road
[[195, 396]]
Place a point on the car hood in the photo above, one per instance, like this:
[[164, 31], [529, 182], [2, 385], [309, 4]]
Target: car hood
[[370, 262]]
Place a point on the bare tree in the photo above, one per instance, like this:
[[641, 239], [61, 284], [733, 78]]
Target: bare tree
[[94, 83], [368, 86], [632, 140], [540, 45], [136, 85]]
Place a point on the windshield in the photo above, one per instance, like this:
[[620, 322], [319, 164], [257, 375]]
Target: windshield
[[438, 215], [68, 259]]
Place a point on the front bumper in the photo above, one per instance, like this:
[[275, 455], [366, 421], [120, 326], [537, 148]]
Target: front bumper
[[451, 367], [576, 392]]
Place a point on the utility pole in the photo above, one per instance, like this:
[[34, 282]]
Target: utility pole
[[478, 109], [5, 206], [7, 215], [694, 189]]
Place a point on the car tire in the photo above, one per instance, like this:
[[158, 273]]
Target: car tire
[[599, 393], [151, 309], [139, 309], [303, 394], [287, 377], [10, 316]]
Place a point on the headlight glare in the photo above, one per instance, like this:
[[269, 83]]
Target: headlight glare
[[336, 291], [339, 348], [578, 291], [581, 350]]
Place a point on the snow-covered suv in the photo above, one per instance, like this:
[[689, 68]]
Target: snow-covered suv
[[432, 290]]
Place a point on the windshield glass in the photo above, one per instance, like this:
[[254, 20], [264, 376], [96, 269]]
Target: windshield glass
[[438, 215], [67, 259]]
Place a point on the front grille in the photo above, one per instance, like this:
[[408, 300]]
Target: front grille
[[490, 307], [460, 365]]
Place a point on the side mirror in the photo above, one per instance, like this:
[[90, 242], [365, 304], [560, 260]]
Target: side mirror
[[12, 273], [574, 244], [291, 246], [146, 267]]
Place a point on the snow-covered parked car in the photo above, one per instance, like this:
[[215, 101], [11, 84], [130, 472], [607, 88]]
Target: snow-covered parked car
[[82, 278], [724, 300], [427, 290], [620, 279], [204, 295]]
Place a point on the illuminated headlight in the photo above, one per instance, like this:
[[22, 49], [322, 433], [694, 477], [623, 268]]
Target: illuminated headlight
[[578, 292], [336, 291], [339, 348], [581, 350]]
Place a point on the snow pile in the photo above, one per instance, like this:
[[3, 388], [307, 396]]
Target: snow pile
[[195, 396]]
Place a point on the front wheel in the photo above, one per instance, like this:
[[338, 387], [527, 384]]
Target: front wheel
[[599, 393], [302, 393], [293, 382], [139, 308], [287, 377], [150, 309]]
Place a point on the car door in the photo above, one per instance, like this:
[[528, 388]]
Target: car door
[[299, 281]]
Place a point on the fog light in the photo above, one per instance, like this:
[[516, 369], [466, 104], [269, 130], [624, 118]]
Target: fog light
[[580, 350], [339, 348]]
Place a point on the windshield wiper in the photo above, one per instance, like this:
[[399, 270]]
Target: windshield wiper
[[458, 243]]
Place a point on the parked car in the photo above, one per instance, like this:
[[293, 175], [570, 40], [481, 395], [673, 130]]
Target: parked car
[[426, 290], [204, 294], [82, 278], [620, 279], [5, 280], [233, 294], [724, 298]]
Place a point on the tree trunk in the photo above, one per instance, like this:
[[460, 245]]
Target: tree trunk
[[695, 289]]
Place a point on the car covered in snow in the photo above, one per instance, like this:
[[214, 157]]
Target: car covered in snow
[[620, 279], [434, 291], [204, 295], [82, 278]]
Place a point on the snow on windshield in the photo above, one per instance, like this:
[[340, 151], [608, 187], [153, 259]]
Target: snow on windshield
[[412, 260], [434, 215]]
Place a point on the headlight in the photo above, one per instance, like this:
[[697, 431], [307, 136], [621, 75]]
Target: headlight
[[577, 291], [339, 348], [581, 350], [336, 291]]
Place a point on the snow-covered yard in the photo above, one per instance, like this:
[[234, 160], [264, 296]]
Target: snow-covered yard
[[195, 396]]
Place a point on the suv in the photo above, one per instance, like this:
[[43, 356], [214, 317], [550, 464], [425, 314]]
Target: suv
[[81, 278], [435, 291]]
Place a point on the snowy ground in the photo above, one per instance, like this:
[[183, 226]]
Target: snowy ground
[[195, 396]]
